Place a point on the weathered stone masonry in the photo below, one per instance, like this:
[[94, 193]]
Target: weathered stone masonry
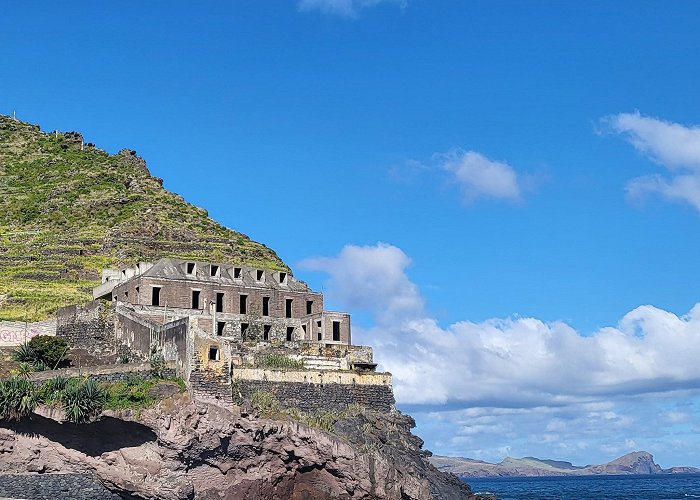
[[87, 326], [54, 486], [311, 391]]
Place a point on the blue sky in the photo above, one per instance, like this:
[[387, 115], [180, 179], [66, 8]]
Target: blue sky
[[491, 188]]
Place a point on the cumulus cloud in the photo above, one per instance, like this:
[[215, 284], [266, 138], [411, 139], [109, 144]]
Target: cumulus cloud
[[371, 278], [523, 362], [479, 176], [343, 8], [522, 386], [672, 145]]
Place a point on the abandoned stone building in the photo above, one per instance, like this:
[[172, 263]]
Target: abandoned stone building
[[236, 302], [214, 323]]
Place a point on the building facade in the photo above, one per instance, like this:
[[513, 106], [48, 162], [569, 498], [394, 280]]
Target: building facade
[[236, 302]]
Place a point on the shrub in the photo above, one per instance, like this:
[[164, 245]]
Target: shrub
[[274, 360], [265, 402], [48, 349]]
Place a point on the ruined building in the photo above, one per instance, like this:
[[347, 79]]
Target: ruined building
[[217, 324]]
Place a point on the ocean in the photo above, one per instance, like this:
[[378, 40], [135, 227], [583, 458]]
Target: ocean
[[652, 487]]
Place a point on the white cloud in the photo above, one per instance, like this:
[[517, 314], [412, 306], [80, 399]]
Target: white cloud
[[343, 8], [521, 362], [675, 146], [479, 176], [524, 386], [371, 278]]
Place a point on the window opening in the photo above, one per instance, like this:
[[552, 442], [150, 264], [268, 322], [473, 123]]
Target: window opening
[[155, 296]]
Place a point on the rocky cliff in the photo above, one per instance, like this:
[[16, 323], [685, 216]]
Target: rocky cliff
[[180, 450]]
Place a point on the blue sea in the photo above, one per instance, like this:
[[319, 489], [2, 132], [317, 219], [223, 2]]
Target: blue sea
[[656, 487]]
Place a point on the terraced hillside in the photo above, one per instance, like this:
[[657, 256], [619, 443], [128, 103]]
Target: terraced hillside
[[67, 210]]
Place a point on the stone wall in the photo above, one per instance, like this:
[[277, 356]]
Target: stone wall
[[211, 388], [311, 391], [87, 326], [55, 486]]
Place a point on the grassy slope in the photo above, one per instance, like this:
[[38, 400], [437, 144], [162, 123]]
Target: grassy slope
[[68, 211]]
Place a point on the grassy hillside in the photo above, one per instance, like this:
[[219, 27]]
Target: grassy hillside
[[67, 210]]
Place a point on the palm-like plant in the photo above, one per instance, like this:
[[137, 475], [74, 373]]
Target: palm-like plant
[[82, 402], [25, 354], [18, 398]]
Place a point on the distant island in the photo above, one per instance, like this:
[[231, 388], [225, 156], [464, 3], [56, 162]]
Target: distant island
[[638, 462]]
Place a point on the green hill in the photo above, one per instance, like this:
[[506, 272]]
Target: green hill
[[67, 210]]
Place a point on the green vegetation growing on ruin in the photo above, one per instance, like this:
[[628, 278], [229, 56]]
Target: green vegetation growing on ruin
[[276, 360], [68, 210], [269, 406], [82, 399]]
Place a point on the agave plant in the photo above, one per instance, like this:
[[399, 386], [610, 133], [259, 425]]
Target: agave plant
[[25, 354], [24, 369], [18, 398], [52, 389], [83, 402]]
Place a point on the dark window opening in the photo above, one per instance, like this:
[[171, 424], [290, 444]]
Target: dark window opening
[[123, 274], [266, 306], [155, 296], [219, 302], [266, 332], [336, 331], [214, 270], [318, 323], [190, 268], [320, 335], [126, 294], [213, 354], [288, 308], [244, 330], [138, 295], [259, 275], [195, 299], [244, 304], [303, 327], [283, 278], [309, 306], [290, 333], [236, 272], [220, 325]]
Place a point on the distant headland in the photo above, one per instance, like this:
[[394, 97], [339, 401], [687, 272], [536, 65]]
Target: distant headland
[[638, 462]]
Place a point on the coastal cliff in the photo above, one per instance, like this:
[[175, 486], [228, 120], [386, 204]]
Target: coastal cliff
[[180, 450]]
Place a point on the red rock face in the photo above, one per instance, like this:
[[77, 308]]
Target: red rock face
[[179, 450]]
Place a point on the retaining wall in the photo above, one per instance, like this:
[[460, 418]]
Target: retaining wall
[[54, 486], [317, 390]]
